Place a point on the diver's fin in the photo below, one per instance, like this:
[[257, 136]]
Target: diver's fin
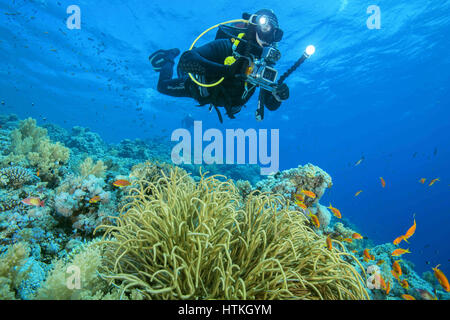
[[159, 57]]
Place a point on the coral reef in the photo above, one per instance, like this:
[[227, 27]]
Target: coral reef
[[183, 233], [11, 272], [31, 147], [180, 239], [73, 201], [16, 177], [82, 140], [290, 182], [87, 168]]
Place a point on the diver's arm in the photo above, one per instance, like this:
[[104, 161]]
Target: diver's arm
[[207, 59]]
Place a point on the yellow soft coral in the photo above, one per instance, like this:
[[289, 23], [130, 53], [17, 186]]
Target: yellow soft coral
[[87, 167], [10, 273], [31, 144], [180, 239]]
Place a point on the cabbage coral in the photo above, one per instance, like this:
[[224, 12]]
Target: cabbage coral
[[178, 239]]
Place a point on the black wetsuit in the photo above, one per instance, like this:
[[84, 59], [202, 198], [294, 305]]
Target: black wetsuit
[[208, 62]]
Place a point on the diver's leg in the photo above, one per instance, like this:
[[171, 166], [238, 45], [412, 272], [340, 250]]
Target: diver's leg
[[171, 87], [162, 61]]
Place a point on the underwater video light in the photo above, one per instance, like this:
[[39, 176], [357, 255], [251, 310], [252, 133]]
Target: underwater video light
[[310, 50]]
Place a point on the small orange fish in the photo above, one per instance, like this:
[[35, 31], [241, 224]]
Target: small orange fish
[[367, 254], [397, 268], [380, 262], [37, 173], [383, 183], [315, 220], [404, 283], [399, 239], [388, 287], [382, 283], [95, 199], [443, 281], [410, 231], [33, 202], [399, 252], [357, 236], [309, 193], [408, 297], [335, 211], [301, 204], [121, 183], [422, 181], [433, 181], [329, 243], [395, 275], [299, 197], [357, 193], [349, 240]]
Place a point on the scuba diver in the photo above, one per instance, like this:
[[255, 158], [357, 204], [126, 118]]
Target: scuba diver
[[242, 57]]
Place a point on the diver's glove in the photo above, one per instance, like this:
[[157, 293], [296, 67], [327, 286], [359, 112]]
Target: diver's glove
[[281, 92]]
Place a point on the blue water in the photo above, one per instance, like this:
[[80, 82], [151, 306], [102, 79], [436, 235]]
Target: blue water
[[382, 94]]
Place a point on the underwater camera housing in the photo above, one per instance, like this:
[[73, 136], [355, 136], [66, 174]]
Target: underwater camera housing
[[260, 72]]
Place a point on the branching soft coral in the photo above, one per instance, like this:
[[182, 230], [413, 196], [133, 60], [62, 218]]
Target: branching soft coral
[[31, 146], [180, 239], [10, 270], [87, 259], [87, 168]]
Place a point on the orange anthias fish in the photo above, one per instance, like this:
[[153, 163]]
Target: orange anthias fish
[[315, 220], [33, 202], [367, 255], [95, 199], [383, 183], [404, 284], [299, 197], [443, 281], [397, 268], [408, 297], [309, 193], [399, 252], [121, 183], [349, 240], [422, 181], [335, 211], [388, 288], [357, 236], [357, 193], [396, 276], [301, 204], [329, 243], [382, 283], [380, 262], [399, 239], [433, 181], [410, 231]]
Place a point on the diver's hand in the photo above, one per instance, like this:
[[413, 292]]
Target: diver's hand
[[281, 92]]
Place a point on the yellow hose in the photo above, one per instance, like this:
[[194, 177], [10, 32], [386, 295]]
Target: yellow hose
[[195, 41]]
